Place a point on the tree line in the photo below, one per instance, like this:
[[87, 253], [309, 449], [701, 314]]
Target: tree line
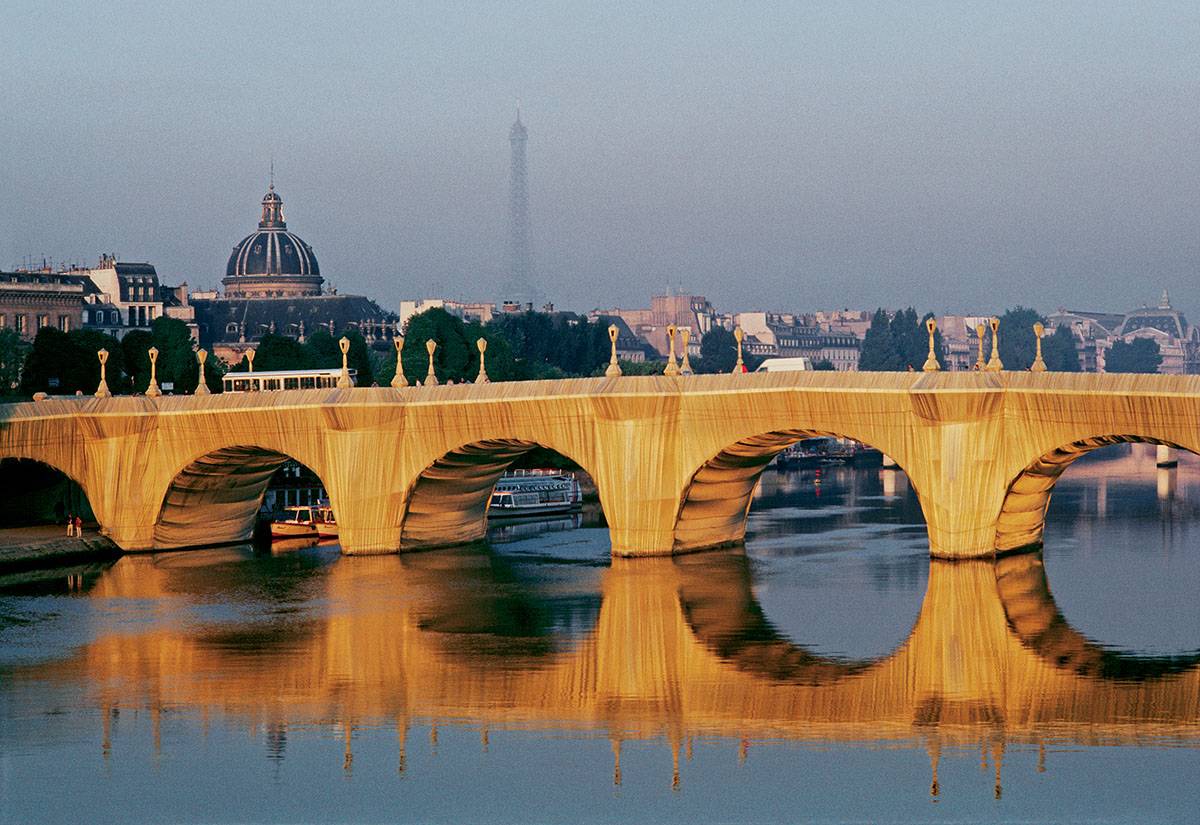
[[900, 341], [520, 347]]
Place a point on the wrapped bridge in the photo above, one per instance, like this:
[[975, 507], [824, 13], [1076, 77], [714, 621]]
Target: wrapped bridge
[[675, 459]]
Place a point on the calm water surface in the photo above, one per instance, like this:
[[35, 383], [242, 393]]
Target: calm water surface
[[827, 671]]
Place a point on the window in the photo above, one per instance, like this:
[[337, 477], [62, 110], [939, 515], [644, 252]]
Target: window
[[21, 323], [64, 323], [116, 318], [231, 328], [43, 321], [3, 321]]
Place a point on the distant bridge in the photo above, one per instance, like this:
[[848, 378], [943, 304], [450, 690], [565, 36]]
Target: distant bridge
[[675, 459]]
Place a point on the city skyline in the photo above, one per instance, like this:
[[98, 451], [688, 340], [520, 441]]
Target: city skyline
[[803, 159]]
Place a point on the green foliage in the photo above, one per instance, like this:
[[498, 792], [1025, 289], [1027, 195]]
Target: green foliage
[[1058, 350], [455, 358], [135, 349], [323, 352], [899, 343], [64, 363], [280, 352], [1141, 355], [718, 351], [1018, 342], [546, 345], [176, 355], [639, 367], [13, 352], [824, 365]]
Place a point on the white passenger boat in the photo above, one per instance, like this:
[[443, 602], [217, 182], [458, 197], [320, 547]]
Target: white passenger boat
[[297, 522], [326, 523], [534, 493]]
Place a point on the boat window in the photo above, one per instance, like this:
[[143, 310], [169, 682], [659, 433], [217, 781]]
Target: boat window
[[291, 383]]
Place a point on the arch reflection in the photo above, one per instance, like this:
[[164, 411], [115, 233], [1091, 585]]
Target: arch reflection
[[649, 648]]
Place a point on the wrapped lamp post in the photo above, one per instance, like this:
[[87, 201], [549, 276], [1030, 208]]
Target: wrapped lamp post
[[201, 384], [994, 363], [152, 389], [398, 380], [431, 379], [481, 344], [685, 364], [614, 369], [1038, 364], [672, 367], [102, 387], [740, 366], [931, 363], [343, 381]]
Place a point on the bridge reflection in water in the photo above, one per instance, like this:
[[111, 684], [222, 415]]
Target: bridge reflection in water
[[669, 649]]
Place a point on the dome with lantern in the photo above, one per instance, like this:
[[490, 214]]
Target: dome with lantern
[[272, 262]]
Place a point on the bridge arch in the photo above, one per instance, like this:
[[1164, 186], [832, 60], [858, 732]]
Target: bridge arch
[[38, 491], [716, 499], [447, 502], [1035, 618], [1022, 518], [214, 497]]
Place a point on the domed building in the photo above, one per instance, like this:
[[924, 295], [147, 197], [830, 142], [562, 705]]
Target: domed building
[[272, 262], [273, 285]]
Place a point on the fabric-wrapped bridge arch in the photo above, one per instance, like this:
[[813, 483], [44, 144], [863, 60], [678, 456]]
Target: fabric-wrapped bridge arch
[[971, 444]]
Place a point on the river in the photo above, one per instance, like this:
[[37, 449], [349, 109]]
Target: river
[[826, 671]]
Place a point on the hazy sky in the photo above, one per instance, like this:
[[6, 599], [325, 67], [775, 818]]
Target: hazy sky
[[792, 156]]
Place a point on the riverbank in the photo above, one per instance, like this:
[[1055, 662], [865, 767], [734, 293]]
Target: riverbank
[[34, 548]]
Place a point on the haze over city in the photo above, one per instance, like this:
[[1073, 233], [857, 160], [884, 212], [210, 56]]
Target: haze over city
[[954, 157]]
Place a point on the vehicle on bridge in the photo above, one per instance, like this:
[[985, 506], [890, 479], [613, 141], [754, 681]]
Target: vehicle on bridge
[[535, 493], [798, 364], [282, 380]]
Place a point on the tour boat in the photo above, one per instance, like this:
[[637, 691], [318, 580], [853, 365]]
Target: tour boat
[[298, 522], [326, 523], [534, 493]]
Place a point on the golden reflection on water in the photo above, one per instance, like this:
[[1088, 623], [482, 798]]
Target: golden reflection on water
[[679, 649]]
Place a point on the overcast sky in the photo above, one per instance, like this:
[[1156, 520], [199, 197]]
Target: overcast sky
[[956, 157]]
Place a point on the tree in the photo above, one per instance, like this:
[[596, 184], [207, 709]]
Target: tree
[[281, 352], [1058, 350], [1140, 355], [12, 358], [823, 365], [323, 352], [64, 363], [135, 347], [898, 343], [87, 343], [879, 352], [718, 351], [177, 365], [547, 344], [452, 360], [1018, 343]]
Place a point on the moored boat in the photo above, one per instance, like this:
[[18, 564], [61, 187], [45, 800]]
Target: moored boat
[[534, 493], [298, 522], [326, 523]]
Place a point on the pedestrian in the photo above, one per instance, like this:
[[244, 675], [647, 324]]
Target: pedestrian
[[78, 526], [70, 524]]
